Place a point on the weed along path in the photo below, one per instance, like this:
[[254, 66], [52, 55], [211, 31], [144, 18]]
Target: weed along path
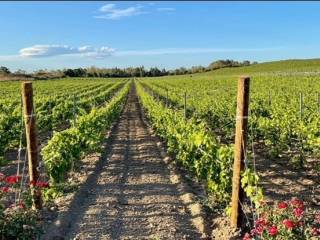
[[130, 196]]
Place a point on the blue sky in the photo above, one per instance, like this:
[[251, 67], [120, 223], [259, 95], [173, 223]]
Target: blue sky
[[55, 35]]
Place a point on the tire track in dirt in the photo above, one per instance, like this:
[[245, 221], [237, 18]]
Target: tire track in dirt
[[132, 196]]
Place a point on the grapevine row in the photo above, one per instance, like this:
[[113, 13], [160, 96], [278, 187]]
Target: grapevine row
[[69, 146], [194, 147]]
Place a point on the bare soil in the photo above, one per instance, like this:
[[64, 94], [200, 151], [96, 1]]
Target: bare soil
[[280, 180], [129, 192]]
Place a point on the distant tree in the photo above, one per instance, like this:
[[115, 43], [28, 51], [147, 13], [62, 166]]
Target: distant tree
[[20, 72], [246, 63], [41, 74], [79, 72], [164, 72], [124, 72], [227, 63], [91, 71], [142, 71], [154, 72], [4, 70], [136, 72], [197, 69], [69, 72]]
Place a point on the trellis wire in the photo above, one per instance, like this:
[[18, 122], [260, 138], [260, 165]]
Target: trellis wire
[[18, 191]]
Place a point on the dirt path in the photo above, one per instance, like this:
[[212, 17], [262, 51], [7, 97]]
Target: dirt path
[[130, 196]]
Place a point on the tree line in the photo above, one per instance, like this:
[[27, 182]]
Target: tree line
[[119, 72]]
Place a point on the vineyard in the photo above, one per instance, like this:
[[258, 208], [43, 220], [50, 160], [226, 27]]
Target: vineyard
[[135, 125]]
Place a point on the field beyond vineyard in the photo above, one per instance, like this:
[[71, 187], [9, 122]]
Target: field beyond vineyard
[[152, 158]]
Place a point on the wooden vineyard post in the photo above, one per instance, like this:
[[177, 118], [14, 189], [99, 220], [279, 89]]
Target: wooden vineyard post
[[237, 214], [185, 105], [32, 143]]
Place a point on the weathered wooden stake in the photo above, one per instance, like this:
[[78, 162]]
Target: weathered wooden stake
[[32, 142], [185, 105], [301, 105], [237, 214]]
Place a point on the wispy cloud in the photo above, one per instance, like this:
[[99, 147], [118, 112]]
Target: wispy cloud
[[43, 51], [110, 11], [38, 51]]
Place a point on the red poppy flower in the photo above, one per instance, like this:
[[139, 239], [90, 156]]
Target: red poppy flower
[[253, 232], [273, 230], [39, 184], [259, 229], [22, 205], [297, 203], [12, 179], [298, 212], [288, 223], [32, 183], [282, 205], [315, 231], [42, 184], [5, 189], [261, 222], [247, 237]]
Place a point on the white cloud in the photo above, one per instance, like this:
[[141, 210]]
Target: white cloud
[[47, 50], [85, 49], [166, 9], [41, 51], [107, 7], [37, 51], [101, 53], [110, 11]]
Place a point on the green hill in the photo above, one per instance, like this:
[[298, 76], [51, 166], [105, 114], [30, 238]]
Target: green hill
[[289, 68], [285, 66]]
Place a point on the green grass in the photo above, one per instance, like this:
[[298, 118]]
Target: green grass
[[284, 67], [301, 65]]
